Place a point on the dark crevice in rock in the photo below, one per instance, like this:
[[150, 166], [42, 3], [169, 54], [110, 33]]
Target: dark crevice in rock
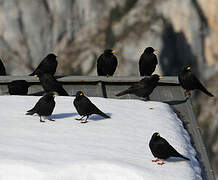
[[176, 51]]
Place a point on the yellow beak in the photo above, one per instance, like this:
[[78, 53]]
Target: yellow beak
[[113, 51], [158, 134], [155, 50], [188, 68], [54, 95], [161, 77], [35, 76]]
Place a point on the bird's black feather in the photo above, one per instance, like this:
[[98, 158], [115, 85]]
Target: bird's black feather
[[106, 63], [143, 88], [85, 107], [44, 107], [161, 149], [2, 69], [18, 87], [50, 84], [147, 62], [190, 82], [47, 65]]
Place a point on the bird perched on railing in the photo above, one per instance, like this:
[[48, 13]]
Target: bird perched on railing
[[161, 149], [147, 62], [47, 65], [107, 63], [44, 107], [18, 87], [190, 82], [85, 107], [50, 84], [143, 88]]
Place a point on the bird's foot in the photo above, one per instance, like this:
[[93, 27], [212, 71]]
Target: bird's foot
[[84, 121], [42, 120], [161, 163], [79, 119], [188, 93], [51, 119], [155, 160]]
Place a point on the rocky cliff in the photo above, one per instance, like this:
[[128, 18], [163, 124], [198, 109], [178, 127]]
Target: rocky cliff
[[185, 32], [79, 30]]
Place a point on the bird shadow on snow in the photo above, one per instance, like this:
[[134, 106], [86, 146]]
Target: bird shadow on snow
[[96, 117], [63, 115], [176, 102], [175, 159]]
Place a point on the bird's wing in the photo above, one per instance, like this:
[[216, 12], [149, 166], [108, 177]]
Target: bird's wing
[[154, 57], [38, 67], [170, 149], [57, 86], [37, 105], [100, 65]]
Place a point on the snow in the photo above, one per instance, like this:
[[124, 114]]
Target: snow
[[102, 149]]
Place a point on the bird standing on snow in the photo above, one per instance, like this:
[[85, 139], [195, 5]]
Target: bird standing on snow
[[189, 82], [143, 88], [47, 65], [44, 107], [161, 149], [107, 63], [50, 84], [147, 62], [85, 107], [2, 69], [18, 87]]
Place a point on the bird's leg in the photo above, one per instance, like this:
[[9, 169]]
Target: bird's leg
[[161, 163], [41, 119], [107, 75], [147, 98], [188, 93], [86, 120], [155, 160], [50, 119], [79, 119]]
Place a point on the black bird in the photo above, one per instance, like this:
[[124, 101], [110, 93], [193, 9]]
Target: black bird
[[85, 107], [147, 62], [190, 82], [47, 65], [50, 84], [143, 88], [18, 87], [161, 149], [2, 69], [44, 107], [107, 63]]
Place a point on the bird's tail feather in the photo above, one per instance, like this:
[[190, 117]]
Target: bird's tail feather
[[30, 112], [184, 157], [32, 74], [206, 92], [62, 92], [122, 93], [103, 114]]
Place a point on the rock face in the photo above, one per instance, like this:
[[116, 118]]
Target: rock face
[[79, 30], [207, 112]]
